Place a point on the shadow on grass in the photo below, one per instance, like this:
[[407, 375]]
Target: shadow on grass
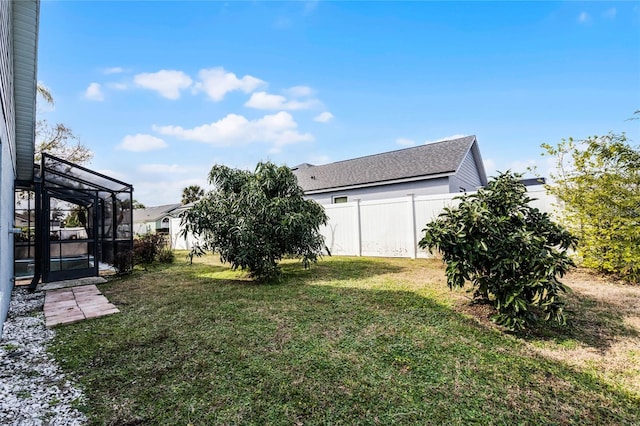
[[293, 272], [590, 321], [338, 269], [319, 354]]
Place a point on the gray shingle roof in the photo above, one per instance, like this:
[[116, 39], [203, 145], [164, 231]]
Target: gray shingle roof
[[425, 160], [151, 214]]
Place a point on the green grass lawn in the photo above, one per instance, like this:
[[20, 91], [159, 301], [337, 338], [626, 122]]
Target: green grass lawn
[[350, 341]]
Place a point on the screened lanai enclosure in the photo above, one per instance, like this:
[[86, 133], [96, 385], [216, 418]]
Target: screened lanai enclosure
[[72, 222]]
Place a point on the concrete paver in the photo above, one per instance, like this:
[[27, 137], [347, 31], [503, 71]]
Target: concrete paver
[[67, 305]]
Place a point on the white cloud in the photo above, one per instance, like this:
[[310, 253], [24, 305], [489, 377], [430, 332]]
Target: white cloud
[[584, 18], [94, 92], [447, 138], [162, 168], [113, 70], [140, 143], [279, 129], [166, 82], [299, 91], [489, 167], [158, 192], [519, 166], [216, 83], [117, 86], [405, 142], [264, 100], [319, 159], [323, 117], [610, 13]]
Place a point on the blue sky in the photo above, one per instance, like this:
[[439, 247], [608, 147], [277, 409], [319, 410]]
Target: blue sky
[[161, 91]]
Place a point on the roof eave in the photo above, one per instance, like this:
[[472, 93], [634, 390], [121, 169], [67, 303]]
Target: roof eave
[[25, 53], [378, 183], [475, 150]]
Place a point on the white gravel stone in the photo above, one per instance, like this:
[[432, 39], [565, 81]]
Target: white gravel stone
[[33, 390]]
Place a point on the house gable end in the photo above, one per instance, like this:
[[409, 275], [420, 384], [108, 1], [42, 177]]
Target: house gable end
[[470, 174]]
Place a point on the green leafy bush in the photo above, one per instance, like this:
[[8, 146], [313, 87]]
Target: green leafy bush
[[166, 255], [147, 248], [512, 253], [255, 219], [598, 182]]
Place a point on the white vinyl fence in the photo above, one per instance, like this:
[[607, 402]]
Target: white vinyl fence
[[385, 228], [393, 227], [179, 241]]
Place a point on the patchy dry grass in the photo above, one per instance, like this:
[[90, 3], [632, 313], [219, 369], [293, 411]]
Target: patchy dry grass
[[603, 333], [351, 341]]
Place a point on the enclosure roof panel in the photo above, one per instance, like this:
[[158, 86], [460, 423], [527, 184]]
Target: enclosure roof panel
[[64, 174]]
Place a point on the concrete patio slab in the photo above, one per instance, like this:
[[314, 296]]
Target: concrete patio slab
[[73, 283], [71, 304]]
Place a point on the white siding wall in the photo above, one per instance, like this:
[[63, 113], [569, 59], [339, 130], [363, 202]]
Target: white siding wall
[[7, 160], [383, 192], [467, 176]]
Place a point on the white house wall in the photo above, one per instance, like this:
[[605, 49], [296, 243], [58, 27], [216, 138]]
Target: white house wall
[[7, 160], [143, 228], [382, 192]]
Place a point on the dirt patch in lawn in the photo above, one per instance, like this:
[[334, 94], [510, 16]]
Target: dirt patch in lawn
[[602, 334]]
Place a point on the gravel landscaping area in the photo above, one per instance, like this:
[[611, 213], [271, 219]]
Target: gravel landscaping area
[[33, 391]]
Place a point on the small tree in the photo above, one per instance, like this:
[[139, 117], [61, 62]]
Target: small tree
[[138, 205], [191, 194], [511, 252], [60, 141], [598, 183], [57, 139], [255, 219]]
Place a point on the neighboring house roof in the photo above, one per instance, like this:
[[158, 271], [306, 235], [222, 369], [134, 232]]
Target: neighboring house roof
[[152, 214], [534, 181], [432, 160], [25, 52]]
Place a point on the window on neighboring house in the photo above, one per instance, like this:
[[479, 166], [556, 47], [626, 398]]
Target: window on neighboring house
[[164, 226], [338, 200]]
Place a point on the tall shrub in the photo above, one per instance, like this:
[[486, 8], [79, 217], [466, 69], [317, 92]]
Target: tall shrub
[[511, 252], [255, 219], [598, 182], [147, 248]]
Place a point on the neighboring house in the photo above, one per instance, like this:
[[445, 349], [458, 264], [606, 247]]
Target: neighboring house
[[436, 168], [155, 219], [18, 63]]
